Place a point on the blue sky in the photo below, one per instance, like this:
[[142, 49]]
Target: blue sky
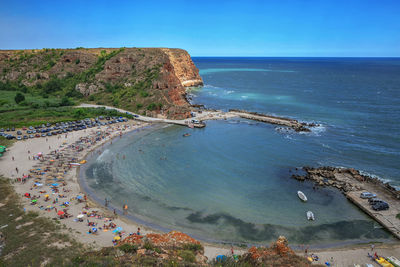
[[208, 28]]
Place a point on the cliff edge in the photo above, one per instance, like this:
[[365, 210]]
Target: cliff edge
[[149, 81]]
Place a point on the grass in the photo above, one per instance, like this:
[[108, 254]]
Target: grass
[[33, 244], [398, 216], [7, 101], [5, 142], [33, 117]]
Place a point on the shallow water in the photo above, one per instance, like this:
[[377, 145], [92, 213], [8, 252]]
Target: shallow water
[[231, 180]]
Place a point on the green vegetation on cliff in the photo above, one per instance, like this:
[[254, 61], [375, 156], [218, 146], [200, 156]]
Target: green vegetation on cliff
[[139, 80]]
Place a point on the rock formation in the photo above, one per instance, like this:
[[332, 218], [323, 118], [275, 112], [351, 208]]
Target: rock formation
[[151, 81]]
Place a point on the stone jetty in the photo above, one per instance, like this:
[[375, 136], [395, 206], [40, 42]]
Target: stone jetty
[[352, 183], [291, 123]]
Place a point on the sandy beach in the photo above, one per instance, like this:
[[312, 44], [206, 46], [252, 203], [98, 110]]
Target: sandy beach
[[55, 154]]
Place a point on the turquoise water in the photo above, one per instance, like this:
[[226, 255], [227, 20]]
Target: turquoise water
[[231, 180]]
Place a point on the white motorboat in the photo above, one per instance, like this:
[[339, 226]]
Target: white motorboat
[[302, 196], [310, 216]]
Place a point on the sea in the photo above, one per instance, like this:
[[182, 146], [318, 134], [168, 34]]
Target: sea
[[230, 182]]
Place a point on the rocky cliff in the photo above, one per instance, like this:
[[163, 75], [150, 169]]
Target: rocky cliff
[[149, 81]]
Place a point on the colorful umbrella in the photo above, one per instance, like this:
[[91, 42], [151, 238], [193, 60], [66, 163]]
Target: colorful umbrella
[[80, 216], [60, 212], [117, 238]]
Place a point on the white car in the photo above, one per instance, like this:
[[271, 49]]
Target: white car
[[367, 195]]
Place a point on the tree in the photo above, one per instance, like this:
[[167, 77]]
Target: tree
[[65, 101], [19, 98]]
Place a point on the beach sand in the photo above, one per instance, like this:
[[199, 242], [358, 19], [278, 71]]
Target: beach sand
[[342, 256]]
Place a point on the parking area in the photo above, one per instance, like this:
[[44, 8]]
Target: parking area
[[50, 129]]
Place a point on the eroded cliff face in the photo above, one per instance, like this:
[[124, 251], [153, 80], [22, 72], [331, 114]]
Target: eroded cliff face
[[184, 68], [149, 81]]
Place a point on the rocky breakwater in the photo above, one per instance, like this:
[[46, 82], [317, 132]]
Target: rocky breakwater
[[345, 179], [352, 183], [290, 123]]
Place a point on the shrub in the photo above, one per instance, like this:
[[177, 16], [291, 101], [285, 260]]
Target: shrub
[[139, 106], [77, 61], [19, 98], [144, 94], [65, 101], [128, 248], [193, 247], [187, 255], [398, 216], [148, 245], [91, 98], [152, 106]]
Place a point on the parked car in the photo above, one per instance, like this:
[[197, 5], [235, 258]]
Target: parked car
[[381, 206], [19, 137], [31, 136], [373, 201], [19, 133], [367, 195]]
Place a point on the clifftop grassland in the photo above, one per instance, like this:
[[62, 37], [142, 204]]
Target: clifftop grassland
[[149, 81]]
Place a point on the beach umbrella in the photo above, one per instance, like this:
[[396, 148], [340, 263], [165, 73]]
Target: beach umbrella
[[46, 195], [55, 184], [118, 229], [79, 197], [117, 238], [38, 184], [27, 195], [60, 212], [34, 200], [80, 216]]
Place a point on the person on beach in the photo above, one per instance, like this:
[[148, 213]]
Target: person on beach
[[125, 207], [12, 158], [115, 212], [105, 202], [16, 169], [372, 247], [138, 231]]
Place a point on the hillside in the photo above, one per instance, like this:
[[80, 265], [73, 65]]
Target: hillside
[[148, 81]]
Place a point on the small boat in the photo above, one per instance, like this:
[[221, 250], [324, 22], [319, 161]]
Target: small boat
[[302, 196], [394, 261], [310, 216], [383, 262], [186, 134]]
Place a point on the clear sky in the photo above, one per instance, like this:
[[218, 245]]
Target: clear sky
[[208, 28]]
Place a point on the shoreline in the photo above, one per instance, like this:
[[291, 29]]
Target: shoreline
[[132, 218], [104, 239]]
